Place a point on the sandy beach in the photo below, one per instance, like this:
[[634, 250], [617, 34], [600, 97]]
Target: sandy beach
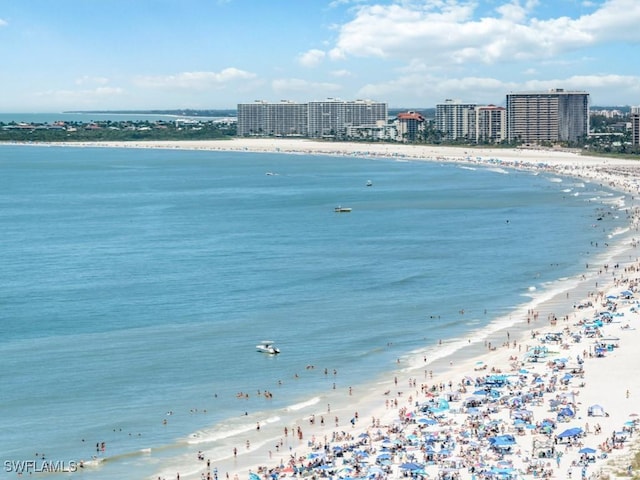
[[554, 397]]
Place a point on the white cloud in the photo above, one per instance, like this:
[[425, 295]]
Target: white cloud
[[312, 58], [195, 80], [431, 89], [588, 83], [88, 80], [3, 23], [451, 32], [337, 54], [341, 73]]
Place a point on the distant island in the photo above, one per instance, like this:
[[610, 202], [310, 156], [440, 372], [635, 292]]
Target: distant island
[[178, 113], [180, 128]]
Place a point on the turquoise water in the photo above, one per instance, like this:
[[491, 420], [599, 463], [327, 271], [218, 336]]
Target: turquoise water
[[138, 282]]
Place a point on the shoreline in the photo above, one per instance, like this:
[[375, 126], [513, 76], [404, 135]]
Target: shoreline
[[614, 173], [394, 421]]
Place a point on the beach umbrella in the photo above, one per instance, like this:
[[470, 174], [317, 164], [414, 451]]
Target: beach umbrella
[[502, 440], [253, 476], [570, 432], [411, 466], [374, 471], [587, 450], [427, 421], [566, 412]]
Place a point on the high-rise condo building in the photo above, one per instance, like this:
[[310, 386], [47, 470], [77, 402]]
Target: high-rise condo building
[[329, 118], [552, 116], [273, 119], [490, 124], [635, 126], [409, 125], [456, 120]]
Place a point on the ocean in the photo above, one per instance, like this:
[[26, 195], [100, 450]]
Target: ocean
[[88, 117], [137, 283]]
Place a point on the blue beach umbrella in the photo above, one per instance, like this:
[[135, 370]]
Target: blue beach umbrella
[[587, 450], [427, 421], [570, 432]]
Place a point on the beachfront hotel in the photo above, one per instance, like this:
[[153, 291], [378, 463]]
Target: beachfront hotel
[[280, 119], [332, 118], [551, 116], [635, 126], [409, 125], [456, 120], [490, 124], [468, 121]]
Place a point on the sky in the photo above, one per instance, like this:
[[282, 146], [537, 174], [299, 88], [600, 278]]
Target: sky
[[213, 54]]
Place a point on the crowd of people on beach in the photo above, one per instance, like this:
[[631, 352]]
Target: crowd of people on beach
[[556, 403], [527, 421]]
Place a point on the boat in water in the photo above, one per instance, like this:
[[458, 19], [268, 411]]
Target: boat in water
[[267, 346], [369, 183], [340, 209]]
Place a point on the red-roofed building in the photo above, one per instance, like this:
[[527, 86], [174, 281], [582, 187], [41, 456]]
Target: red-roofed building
[[409, 125]]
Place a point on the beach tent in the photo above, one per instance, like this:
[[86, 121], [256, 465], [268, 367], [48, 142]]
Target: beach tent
[[587, 451], [497, 380], [570, 433], [474, 401], [596, 411], [492, 392], [566, 412], [411, 466], [502, 441], [382, 457]]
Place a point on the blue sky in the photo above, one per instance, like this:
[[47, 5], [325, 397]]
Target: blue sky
[[171, 54]]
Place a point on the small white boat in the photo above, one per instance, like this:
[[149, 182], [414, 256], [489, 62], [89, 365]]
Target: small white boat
[[340, 209], [369, 183], [267, 346]]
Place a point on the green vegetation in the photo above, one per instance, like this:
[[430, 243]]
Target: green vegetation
[[123, 131]]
